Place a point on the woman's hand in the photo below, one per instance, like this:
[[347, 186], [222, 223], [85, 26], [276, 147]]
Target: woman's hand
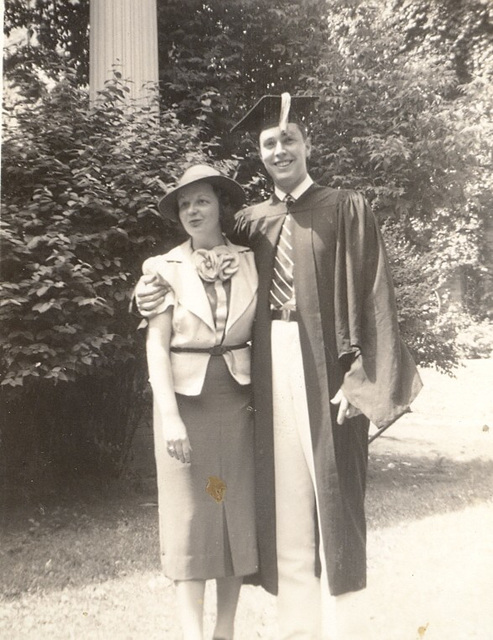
[[176, 438]]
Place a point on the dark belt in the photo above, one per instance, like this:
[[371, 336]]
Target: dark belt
[[216, 350], [288, 315]]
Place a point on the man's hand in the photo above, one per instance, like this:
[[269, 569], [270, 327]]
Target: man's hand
[[346, 409], [149, 293]]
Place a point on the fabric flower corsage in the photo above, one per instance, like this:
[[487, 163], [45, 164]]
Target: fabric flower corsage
[[218, 263]]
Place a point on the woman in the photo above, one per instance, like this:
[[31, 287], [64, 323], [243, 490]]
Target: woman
[[199, 366]]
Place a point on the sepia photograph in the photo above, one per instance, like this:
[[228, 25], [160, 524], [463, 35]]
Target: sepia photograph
[[246, 320]]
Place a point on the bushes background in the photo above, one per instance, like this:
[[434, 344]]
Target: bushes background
[[80, 188]]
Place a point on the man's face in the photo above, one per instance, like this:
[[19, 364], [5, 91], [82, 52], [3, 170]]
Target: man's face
[[284, 155]]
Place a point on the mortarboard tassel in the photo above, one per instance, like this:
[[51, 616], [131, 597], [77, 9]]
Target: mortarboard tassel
[[284, 115]]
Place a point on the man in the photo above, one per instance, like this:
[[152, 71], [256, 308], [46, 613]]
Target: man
[[327, 359]]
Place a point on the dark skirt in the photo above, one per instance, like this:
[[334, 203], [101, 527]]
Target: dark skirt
[[206, 508]]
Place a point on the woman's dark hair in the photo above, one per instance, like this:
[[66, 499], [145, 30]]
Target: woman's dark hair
[[227, 209], [226, 206]]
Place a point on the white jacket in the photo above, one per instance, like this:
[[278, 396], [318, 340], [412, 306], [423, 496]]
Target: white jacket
[[193, 322]]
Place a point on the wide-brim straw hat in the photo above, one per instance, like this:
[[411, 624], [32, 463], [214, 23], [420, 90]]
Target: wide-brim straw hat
[[168, 205]]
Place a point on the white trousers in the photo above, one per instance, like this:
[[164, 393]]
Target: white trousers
[[306, 610]]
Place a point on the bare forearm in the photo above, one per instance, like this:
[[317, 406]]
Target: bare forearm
[[161, 379]]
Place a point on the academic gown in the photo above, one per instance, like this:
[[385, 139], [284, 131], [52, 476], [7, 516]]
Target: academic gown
[[349, 337]]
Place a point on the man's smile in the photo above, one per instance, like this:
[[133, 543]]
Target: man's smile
[[283, 163]]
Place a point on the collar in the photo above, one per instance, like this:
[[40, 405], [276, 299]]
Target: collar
[[297, 192], [186, 247]]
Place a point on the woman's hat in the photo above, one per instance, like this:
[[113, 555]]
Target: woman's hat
[[168, 205]]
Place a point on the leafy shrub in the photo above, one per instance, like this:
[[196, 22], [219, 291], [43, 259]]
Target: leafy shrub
[[79, 193]]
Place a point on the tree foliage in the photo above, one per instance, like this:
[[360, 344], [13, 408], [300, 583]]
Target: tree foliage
[[460, 32], [42, 32], [227, 54], [401, 128]]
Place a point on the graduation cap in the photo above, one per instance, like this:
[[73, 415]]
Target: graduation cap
[[273, 111]]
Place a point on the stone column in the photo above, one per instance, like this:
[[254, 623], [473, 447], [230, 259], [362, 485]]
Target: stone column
[[123, 37]]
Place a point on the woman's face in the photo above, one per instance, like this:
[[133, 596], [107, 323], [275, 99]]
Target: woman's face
[[199, 210]]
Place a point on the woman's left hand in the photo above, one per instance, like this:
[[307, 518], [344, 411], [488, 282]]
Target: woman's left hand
[[179, 449], [176, 438]]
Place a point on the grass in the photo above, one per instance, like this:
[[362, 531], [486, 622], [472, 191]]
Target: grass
[[80, 539], [407, 488]]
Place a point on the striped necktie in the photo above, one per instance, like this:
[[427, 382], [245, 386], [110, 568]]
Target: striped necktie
[[282, 286]]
